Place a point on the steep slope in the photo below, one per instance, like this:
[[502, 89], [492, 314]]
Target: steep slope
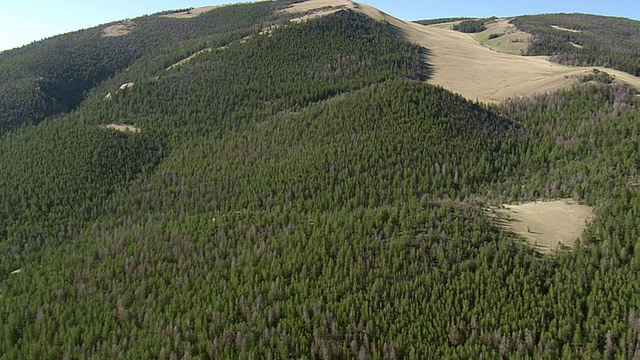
[[303, 193], [53, 76], [54, 177], [461, 64], [581, 39], [254, 173]]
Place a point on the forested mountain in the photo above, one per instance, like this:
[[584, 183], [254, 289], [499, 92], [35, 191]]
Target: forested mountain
[[53, 76], [585, 40], [301, 193]]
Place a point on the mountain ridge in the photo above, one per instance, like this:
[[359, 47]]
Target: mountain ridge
[[303, 192]]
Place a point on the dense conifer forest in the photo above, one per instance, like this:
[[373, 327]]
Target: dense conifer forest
[[301, 193]]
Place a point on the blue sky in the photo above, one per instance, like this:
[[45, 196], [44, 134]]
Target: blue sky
[[25, 21]]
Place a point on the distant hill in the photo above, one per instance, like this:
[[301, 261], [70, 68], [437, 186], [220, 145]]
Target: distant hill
[[573, 39], [488, 65], [267, 181], [585, 40]]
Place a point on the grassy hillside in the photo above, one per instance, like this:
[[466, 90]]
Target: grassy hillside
[[441, 20], [304, 193], [571, 39]]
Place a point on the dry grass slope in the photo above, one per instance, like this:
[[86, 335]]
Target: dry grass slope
[[316, 8], [465, 66], [511, 40], [546, 225], [191, 13], [122, 128], [120, 29]]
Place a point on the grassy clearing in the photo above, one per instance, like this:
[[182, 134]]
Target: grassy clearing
[[312, 5], [546, 225], [120, 29], [122, 128], [191, 13]]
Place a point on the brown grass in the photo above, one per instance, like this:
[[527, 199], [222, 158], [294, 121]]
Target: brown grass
[[546, 225], [478, 69], [191, 13], [463, 65], [512, 41], [311, 5], [122, 128], [315, 14], [316, 8], [120, 29], [565, 29]]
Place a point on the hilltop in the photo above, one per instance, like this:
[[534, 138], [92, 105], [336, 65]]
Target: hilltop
[[461, 63], [315, 179]]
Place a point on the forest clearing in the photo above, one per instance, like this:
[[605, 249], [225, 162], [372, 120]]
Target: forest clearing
[[120, 29], [122, 128], [191, 13], [547, 225]]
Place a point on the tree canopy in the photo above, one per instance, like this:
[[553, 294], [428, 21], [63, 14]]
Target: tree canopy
[[303, 193]]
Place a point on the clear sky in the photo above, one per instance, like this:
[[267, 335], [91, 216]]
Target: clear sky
[[25, 21]]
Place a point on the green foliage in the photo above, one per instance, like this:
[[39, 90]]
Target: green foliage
[[441, 20], [602, 41], [53, 76], [302, 195], [598, 76], [53, 177], [470, 26]]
